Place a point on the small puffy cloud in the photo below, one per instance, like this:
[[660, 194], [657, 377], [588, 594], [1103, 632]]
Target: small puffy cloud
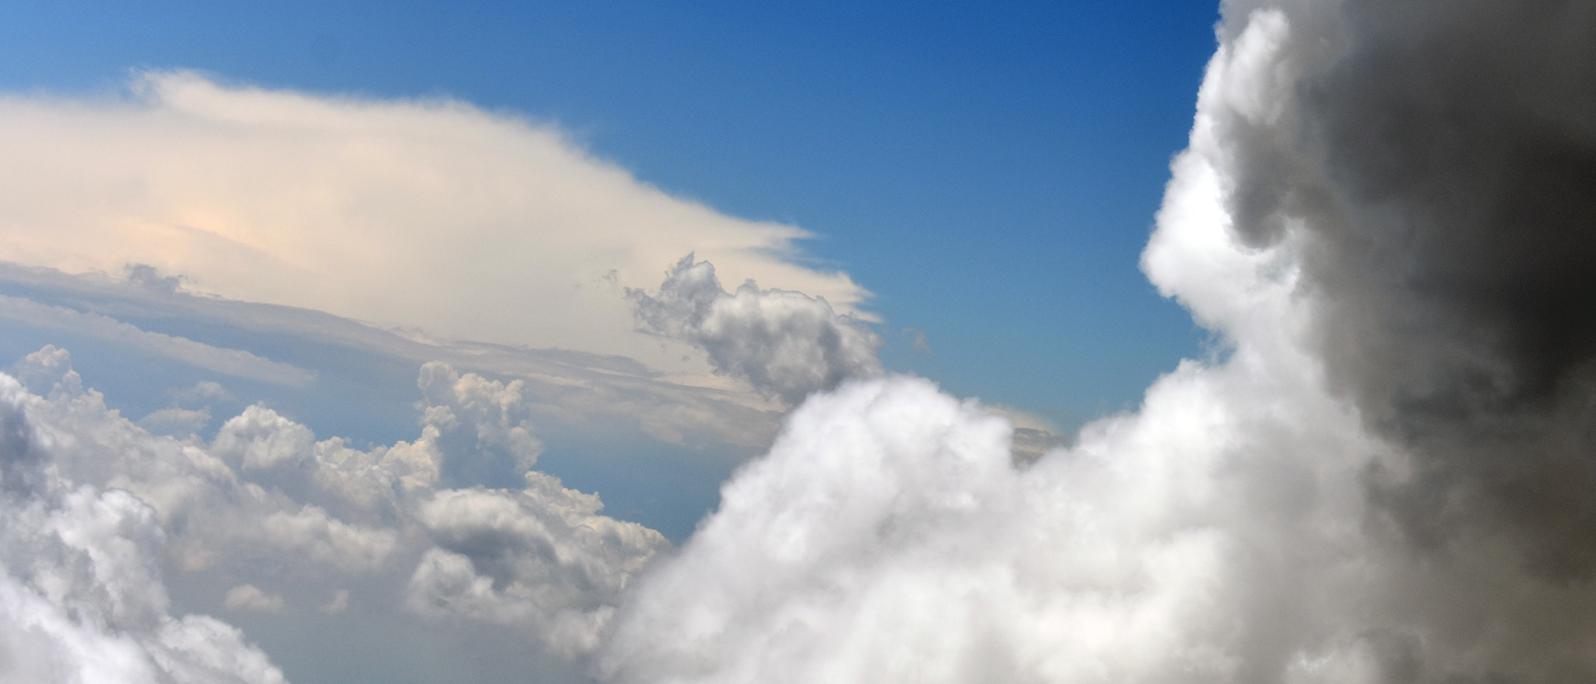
[[202, 392], [574, 391], [889, 535], [248, 597], [48, 370], [784, 343], [261, 439], [150, 277], [175, 421]]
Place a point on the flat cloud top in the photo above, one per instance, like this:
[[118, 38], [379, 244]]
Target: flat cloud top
[[420, 213]]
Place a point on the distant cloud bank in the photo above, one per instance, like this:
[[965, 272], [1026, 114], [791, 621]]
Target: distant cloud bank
[[411, 213]]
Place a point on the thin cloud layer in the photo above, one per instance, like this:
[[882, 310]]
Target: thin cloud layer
[[1384, 213], [577, 391], [282, 197], [785, 344], [232, 362]]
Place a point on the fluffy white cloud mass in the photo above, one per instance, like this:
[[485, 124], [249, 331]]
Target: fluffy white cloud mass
[[278, 196], [324, 359], [1362, 489], [784, 343], [81, 593], [97, 511]]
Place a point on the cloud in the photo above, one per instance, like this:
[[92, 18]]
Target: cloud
[[47, 371], [576, 391], [82, 598], [1384, 477], [202, 392], [279, 196], [339, 603], [542, 555], [145, 275], [1435, 171], [283, 517], [485, 423], [890, 536], [248, 597], [785, 344], [311, 532], [234, 362], [176, 421]]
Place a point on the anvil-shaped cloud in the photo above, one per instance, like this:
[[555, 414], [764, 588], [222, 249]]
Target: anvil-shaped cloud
[[422, 214]]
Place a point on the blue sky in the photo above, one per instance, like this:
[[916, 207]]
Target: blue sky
[[990, 173]]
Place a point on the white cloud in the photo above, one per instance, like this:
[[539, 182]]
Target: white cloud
[[578, 391], [248, 597], [783, 343], [282, 517], [202, 392], [485, 425], [175, 421], [890, 536], [48, 371], [82, 598], [260, 439], [234, 362], [541, 556], [281, 197], [311, 532]]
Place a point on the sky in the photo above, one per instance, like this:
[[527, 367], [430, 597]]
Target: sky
[[624, 344], [973, 168]]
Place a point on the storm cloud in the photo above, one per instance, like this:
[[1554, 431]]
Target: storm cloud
[[1384, 214], [1435, 165]]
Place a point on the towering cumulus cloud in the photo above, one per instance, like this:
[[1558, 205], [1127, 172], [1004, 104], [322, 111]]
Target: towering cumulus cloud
[[784, 343], [1437, 169], [1386, 212]]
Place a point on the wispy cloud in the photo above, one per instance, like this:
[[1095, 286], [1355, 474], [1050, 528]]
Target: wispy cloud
[[233, 362]]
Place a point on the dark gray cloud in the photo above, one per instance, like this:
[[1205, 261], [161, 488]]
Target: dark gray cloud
[[1436, 162]]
